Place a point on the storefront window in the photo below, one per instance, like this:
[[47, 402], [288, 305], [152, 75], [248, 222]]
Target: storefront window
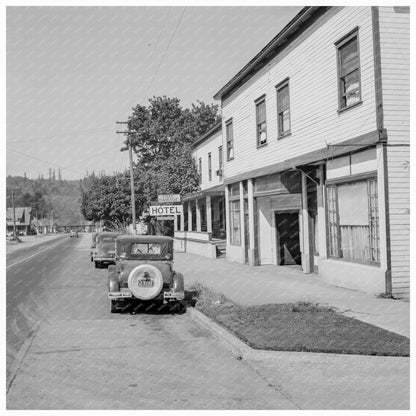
[[235, 223], [353, 221]]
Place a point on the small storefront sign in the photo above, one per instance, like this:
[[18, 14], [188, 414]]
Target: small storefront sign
[[168, 199]]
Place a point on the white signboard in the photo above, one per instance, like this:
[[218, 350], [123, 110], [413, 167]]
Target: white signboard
[[168, 198], [158, 210]]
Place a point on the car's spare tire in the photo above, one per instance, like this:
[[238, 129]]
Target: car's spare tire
[[145, 281]]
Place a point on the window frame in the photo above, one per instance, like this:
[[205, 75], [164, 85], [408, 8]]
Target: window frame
[[229, 124], [209, 167], [200, 169], [233, 210], [220, 161], [279, 87], [335, 183], [339, 44], [261, 101]]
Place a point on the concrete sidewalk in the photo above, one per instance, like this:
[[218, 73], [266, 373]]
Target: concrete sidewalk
[[247, 285]]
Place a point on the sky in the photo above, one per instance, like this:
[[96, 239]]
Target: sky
[[72, 72]]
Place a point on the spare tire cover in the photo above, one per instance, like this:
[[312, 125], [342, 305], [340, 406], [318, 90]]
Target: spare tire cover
[[145, 281]]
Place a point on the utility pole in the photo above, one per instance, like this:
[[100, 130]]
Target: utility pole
[[14, 217], [133, 203]]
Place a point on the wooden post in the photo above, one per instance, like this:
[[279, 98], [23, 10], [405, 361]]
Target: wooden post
[[307, 255], [198, 215], [252, 251], [209, 213]]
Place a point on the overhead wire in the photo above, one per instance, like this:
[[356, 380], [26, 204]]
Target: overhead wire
[[44, 161], [69, 134], [166, 50]]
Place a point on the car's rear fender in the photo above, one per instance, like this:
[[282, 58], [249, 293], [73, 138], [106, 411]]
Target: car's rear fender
[[113, 280]]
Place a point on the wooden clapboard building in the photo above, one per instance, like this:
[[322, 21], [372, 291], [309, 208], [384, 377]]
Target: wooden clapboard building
[[316, 149]]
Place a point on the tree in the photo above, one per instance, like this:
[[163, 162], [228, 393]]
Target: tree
[[162, 137], [164, 127]]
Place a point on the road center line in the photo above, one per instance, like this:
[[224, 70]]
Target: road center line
[[33, 255]]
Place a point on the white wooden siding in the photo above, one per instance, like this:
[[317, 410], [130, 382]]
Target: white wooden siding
[[211, 144], [395, 69], [311, 65]]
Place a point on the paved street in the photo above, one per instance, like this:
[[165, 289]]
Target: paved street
[[65, 350], [82, 357]]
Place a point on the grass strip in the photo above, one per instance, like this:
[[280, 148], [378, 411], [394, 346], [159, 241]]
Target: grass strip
[[301, 326]]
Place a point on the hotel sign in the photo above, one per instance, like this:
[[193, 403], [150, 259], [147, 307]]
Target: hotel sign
[[158, 210]]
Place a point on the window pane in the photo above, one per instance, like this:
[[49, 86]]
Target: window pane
[[332, 221], [230, 150], [355, 243], [354, 223], [351, 82], [261, 112], [285, 121], [230, 144], [235, 222], [349, 56], [283, 98], [353, 203]]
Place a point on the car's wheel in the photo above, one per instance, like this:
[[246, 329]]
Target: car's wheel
[[114, 306], [177, 307], [96, 264]]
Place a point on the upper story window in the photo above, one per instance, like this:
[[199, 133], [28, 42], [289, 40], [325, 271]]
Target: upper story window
[[200, 170], [220, 164], [261, 121], [209, 167], [349, 82], [230, 139], [283, 108]]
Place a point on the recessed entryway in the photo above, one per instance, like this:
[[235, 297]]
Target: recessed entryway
[[287, 238]]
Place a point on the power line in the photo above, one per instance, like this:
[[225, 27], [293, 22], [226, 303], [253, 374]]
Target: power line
[[97, 154], [69, 134], [166, 50], [44, 161]]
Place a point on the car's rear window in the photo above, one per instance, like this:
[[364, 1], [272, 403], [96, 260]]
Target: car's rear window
[[108, 239], [145, 248]]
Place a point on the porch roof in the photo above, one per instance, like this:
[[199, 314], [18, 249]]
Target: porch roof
[[214, 191]]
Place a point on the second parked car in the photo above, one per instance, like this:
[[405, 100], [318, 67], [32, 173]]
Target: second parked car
[[105, 249]]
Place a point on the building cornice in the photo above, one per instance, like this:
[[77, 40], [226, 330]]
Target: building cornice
[[272, 49]]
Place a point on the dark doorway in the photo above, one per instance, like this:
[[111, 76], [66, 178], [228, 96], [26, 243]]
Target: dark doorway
[[287, 235]]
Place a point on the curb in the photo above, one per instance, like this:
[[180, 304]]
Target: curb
[[226, 338], [243, 351], [20, 356]]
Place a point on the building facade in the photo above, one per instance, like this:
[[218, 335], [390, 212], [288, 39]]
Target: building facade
[[21, 218], [316, 149], [201, 228]]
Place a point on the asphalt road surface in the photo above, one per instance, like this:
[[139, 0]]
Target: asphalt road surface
[[65, 350]]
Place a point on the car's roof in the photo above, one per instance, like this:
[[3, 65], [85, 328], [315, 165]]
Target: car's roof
[[108, 234], [144, 238]]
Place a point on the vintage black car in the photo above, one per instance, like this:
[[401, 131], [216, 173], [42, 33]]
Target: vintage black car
[[105, 249], [144, 272]]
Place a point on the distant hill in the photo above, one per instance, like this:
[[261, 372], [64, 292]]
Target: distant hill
[[54, 197]]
